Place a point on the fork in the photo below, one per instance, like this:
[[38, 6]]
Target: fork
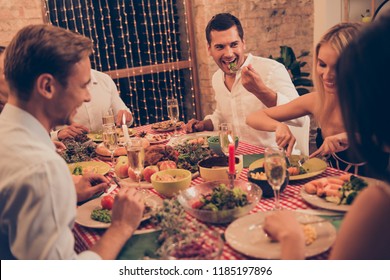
[[301, 161]]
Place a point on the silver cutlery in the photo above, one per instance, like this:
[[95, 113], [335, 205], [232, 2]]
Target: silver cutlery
[[321, 220], [320, 212]]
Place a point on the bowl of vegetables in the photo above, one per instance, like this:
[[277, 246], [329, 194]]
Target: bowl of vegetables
[[258, 177], [217, 203], [215, 146]]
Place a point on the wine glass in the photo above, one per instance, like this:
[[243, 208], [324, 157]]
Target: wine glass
[[275, 169], [108, 117], [226, 136], [173, 112], [110, 140], [136, 156]]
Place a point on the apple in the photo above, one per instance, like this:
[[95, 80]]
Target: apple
[[149, 171], [167, 164], [121, 167], [131, 174]]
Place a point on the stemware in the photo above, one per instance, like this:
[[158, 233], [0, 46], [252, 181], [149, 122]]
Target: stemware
[[110, 140], [136, 156], [108, 117], [173, 113], [225, 130], [275, 169]]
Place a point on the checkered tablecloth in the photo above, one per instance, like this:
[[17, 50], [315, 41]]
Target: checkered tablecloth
[[289, 199]]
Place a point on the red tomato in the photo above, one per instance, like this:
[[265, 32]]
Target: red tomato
[[197, 204], [107, 202]]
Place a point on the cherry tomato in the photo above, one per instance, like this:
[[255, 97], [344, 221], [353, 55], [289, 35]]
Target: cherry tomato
[[197, 204], [107, 202]]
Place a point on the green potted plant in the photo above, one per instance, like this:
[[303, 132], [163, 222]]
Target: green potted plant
[[289, 60]]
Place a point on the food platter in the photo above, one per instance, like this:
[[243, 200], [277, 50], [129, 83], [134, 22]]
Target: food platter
[[166, 126], [83, 215], [191, 136], [314, 167], [320, 202], [158, 138], [246, 236], [90, 166], [95, 137], [98, 136]]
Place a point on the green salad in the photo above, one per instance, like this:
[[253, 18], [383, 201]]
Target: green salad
[[222, 198]]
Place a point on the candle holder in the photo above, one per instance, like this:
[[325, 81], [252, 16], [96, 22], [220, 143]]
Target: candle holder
[[231, 178]]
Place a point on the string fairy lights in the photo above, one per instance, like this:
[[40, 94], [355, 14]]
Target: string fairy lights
[[139, 44]]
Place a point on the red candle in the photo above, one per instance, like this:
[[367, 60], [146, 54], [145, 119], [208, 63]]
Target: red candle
[[232, 159]]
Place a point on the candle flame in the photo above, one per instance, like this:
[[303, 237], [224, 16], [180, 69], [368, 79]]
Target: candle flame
[[230, 138], [123, 119]]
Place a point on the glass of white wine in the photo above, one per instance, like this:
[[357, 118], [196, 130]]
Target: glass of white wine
[[110, 140], [136, 156], [108, 117], [226, 136], [275, 169], [173, 113]]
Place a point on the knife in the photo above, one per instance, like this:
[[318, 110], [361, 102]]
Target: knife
[[321, 220], [319, 212]]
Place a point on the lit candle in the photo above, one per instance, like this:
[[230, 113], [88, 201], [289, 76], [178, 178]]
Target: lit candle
[[125, 129], [232, 159]]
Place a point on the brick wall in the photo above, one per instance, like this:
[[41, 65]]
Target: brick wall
[[16, 14], [267, 25]]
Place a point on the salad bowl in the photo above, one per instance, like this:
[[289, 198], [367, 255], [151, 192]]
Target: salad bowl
[[216, 203]]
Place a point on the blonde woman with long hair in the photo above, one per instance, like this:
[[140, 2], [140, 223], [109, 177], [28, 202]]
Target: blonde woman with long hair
[[322, 104]]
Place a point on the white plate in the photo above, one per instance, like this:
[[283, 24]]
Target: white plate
[[165, 126], [97, 167], [246, 236], [127, 182], [83, 215], [184, 138], [315, 166], [319, 202], [151, 139]]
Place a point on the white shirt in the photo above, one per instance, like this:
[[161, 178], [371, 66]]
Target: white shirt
[[37, 194], [104, 94], [235, 105]]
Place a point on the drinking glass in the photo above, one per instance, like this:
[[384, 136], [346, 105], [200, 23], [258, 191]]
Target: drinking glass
[[108, 117], [173, 112], [275, 169], [110, 140], [136, 156], [226, 136]]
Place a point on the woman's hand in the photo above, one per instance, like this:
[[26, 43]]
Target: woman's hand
[[332, 144]]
